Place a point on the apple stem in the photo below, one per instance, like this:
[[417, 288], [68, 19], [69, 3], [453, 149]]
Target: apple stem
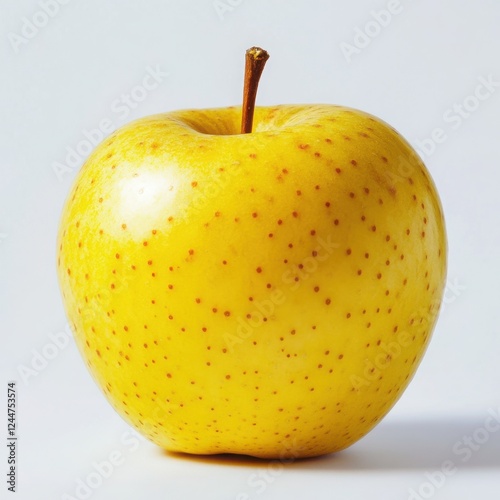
[[255, 60]]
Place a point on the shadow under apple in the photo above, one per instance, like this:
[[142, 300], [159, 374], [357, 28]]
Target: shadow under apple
[[425, 444]]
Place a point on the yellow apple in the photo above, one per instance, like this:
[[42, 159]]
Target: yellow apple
[[269, 294]]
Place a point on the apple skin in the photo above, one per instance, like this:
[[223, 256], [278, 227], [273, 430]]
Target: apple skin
[[268, 294]]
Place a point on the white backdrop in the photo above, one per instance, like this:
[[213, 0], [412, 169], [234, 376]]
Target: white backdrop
[[429, 68]]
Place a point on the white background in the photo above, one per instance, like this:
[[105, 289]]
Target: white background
[[68, 77]]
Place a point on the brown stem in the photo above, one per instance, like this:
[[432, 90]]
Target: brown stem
[[255, 60]]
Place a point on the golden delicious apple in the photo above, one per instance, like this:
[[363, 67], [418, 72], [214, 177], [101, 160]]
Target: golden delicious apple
[[268, 294]]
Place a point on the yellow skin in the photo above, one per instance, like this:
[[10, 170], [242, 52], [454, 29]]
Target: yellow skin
[[269, 294]]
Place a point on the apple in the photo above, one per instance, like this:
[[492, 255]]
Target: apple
[[267, 293]]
